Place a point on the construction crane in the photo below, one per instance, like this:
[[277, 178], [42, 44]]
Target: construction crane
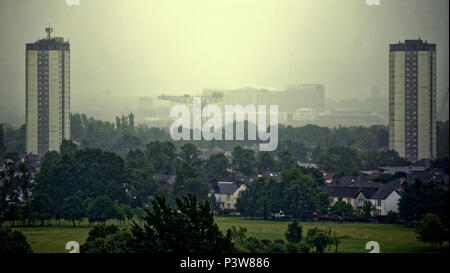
[[213, 98]]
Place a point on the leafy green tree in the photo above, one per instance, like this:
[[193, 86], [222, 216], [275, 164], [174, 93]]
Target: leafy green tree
[[127, 211], [162, 156], [131, 120], [135, 159], [421, 198], [68, 147], [442, 129], [384, 178], [368, 210], [373, 159], [431, 230], [213, 203], [27, 210], [190, 229], [341, 208], [108, 239], [341, 160], [275, 247], [73, 209], [314, 172], [142, 186], [243, 160], [294, 232], [42, 208], [265, 162], [391, 217], [245, 244], [100, 210], [323, 202], [216, 167], [253, 245], [191, 154], [300, 194], [318, 239], [13, 242], [188, 181], [87, 172], [286, 160], [14, 192], [297, 148], [253, 200]]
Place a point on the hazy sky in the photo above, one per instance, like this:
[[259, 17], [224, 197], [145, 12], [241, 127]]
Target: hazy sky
[[125, 48]]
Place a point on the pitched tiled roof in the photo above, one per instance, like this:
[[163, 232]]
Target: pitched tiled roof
[[160, 178], [382, 193], [351, 187], [342, 191], [342, 181], [227, 188], [236, 177], [408, 169]]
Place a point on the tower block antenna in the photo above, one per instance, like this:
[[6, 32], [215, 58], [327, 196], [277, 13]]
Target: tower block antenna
[[48, 30]]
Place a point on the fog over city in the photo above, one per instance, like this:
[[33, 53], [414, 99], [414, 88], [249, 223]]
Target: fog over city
[[125, 50]]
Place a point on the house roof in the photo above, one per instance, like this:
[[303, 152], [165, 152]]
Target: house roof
[[369, 172], [407, 169], [32, 161], [236, 177], [351, 187], [276, 176], [427, 177], [396, 183], [328, 176], [227, 188], [342, 191], [363, 184], [382, 193], [167, 178], [343, 180]]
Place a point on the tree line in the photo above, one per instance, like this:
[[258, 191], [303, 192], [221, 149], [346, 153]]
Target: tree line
[[190, 228], [303, 142]]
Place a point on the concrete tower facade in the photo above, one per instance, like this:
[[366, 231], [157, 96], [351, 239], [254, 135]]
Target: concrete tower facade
[[412, 99], [47, 94]]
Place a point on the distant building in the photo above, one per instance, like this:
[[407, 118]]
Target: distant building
[[307, 95], [357, 192], [288, 100], [227, 194], [47, 94], [406, 169], [330, 118], [165, 181], [412, 99]]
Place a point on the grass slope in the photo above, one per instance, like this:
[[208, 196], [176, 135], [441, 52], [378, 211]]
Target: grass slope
[[391, 238]]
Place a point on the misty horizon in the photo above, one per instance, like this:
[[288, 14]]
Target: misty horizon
[[121, 51]]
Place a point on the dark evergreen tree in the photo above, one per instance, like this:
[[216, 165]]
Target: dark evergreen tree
[[294, 232], [188, 229]]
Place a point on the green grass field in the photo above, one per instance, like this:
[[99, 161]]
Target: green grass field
[[391, 238]]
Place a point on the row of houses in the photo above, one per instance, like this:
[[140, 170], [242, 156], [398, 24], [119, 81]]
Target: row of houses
[[357, 190]]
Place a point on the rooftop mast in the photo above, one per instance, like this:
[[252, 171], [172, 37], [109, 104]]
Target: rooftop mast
[[48, 30]]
